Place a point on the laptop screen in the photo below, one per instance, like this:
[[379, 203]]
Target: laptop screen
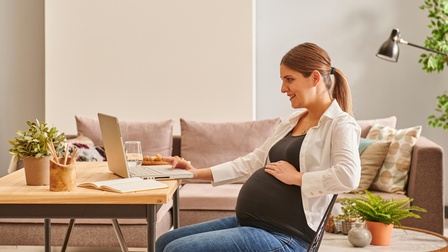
[[113, 144]]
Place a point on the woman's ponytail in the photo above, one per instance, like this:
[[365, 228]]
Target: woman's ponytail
[[341, 91]]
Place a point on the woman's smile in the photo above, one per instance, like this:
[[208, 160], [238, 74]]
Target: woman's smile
[[291, 96]]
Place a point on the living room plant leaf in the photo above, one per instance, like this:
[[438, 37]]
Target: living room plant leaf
[[440, 121], [33, 142], [438, 15], [372, 207]]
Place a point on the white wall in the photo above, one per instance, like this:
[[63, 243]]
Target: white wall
[[22, 76], [352, 31], [149, 60]]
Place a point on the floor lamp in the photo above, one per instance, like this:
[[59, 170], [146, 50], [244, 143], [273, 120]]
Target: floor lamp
[[389, 50]]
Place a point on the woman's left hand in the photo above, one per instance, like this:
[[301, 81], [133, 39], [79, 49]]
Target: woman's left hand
[[284, 172]]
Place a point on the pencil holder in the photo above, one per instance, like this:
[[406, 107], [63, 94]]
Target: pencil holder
[[62, 175]]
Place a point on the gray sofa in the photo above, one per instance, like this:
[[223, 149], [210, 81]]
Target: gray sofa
[[200, 201]]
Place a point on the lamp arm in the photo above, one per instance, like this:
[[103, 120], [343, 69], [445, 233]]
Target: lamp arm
[[401, 41]]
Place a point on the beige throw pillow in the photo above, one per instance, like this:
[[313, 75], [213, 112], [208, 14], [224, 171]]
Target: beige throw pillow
[[371, 160], [206, 144], [155, 136], [393, 174]]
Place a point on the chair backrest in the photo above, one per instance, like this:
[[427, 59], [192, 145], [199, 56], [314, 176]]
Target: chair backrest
[[314, 246]]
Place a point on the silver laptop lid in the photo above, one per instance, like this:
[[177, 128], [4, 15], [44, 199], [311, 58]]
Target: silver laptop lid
[[113, 144]]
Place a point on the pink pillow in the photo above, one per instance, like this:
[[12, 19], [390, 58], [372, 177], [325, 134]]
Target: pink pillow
[[205, 144], [366, 125], [156, 137]]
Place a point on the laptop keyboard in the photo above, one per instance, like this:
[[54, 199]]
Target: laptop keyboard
[[142, 171]]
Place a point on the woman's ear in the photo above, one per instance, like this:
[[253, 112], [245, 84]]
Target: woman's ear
[[316, 77]]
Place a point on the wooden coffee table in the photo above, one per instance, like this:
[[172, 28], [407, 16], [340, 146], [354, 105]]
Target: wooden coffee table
[[412, 239]]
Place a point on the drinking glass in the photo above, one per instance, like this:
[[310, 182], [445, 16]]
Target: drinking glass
[[133, 150]]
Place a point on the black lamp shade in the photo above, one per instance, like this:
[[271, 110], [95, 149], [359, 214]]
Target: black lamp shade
[[389, 50]]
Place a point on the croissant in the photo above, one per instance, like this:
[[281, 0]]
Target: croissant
[[154, 160]]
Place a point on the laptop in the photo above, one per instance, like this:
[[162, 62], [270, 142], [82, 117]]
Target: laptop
[[116, 157]]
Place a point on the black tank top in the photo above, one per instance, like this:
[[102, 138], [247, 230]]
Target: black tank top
[[266, 202]]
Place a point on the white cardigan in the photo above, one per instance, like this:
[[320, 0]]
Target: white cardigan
[[329, 158]]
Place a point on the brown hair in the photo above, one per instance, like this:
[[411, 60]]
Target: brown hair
[[307, 57]]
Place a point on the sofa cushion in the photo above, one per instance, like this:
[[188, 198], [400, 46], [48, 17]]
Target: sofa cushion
[[203, 196], [205, 144], [155, 136], [89, 127], [393, 174], [372, 157], [366, 125]]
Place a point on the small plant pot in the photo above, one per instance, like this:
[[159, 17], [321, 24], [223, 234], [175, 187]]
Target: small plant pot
[[381, 233], [62, 177], [37, 170], [347, 225], [338, 225]]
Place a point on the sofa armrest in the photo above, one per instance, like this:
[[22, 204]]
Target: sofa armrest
[[425, 184]]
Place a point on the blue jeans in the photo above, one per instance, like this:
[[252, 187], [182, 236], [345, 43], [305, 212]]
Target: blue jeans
[[226, 235]]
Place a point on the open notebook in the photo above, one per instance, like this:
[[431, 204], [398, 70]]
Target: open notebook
[[125, 185]]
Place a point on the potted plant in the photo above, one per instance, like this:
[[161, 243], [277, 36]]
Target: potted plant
[[348, 218], [33, 146], [380, 213]]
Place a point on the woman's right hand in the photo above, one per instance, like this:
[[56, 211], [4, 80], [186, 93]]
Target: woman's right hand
[[177, 162]]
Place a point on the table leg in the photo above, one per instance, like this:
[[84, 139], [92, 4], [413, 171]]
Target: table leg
[[151, 219], [121, 241], [67, 235], [47, 227], [176, 209]]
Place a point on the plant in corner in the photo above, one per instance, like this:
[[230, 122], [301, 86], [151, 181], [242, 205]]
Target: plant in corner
[[32, 146], [438, 14], [382, 213]]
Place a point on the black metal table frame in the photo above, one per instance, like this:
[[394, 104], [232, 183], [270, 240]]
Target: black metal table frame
[[90, 211]]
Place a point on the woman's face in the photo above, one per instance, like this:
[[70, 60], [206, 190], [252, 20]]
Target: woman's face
[[297, 87]]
